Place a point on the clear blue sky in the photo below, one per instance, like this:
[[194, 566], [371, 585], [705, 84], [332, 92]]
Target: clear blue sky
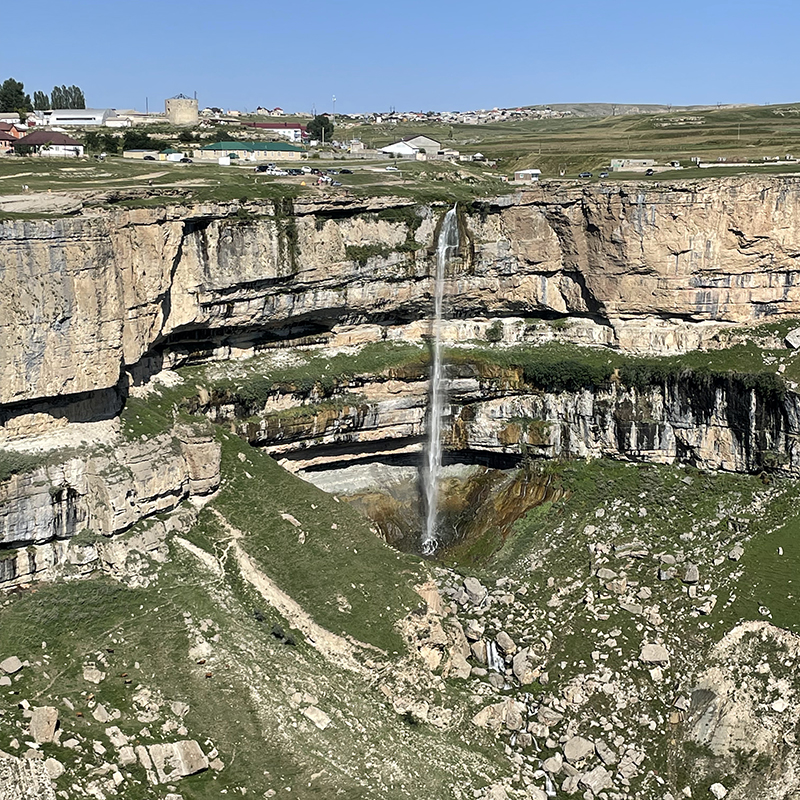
[[411, 55]]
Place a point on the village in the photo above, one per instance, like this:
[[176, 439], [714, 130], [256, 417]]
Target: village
[[495, 147]]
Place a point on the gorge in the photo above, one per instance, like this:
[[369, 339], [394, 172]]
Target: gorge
[[623, 417]]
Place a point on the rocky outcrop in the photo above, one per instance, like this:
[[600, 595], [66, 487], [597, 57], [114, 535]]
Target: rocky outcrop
[[100, 494], [719, 422], [103, 290]]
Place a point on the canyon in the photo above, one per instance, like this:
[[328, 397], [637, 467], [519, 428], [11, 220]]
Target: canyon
[[649, 326]]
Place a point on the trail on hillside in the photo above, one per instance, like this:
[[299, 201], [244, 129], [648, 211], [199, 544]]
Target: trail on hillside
[[333, 647]]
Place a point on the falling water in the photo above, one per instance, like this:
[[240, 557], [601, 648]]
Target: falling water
[[446, 246]]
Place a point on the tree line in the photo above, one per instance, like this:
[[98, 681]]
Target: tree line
[[13, 98]]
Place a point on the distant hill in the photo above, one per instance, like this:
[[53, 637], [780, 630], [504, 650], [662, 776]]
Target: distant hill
[[620, 109]]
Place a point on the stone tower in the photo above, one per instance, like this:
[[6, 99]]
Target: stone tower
[[181, 110]]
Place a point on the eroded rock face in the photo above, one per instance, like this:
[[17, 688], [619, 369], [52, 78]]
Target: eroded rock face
[[83, 298], [721, 424], [101, 495]]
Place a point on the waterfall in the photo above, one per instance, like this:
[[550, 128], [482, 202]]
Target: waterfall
[[445, 247]]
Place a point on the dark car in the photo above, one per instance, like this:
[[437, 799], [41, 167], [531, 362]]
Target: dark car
[[345, 172], [186, 160], [260, 168], [295, 171], [650, 172], [149, 158], [585, 175]]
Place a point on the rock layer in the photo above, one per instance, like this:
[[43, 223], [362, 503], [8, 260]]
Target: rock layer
[[102, 291]]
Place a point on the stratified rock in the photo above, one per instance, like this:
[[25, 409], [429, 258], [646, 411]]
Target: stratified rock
[[24, 779]]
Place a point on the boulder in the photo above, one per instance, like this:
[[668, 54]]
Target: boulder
[[792, 339], [176, 760], [55, 769], [506, 643], [475, 590], [607, 755], [317, 716], [11, 665], [42, 726], [654, 654], [578, 748], [553, 764], [479, 651], [523, 668], [718, 790], [475, 629], [692, 574], [597, 780]]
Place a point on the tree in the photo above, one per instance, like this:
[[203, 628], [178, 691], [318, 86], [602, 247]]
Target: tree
[[136, 140], [13, 97], [41, 101], [67, 97], [96, 142], [320, 128]]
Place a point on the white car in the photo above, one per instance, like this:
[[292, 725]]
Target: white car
[[392, 169]]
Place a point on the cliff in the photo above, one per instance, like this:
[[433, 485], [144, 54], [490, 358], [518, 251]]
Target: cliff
[[85, 298]]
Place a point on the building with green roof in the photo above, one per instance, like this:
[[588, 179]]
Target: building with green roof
[[250, 151]]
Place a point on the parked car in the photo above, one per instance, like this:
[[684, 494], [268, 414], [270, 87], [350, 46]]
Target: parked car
[[392, 169], [185, 160], [603, 174], [260, 168], [345, 172], [336, 183], [305, 170], [294, 171], [585, 175], [650, 172], [149, 158]]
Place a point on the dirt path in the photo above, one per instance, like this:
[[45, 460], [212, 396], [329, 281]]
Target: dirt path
[[333, 647]]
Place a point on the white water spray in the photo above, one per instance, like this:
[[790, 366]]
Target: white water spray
[[445, 248]]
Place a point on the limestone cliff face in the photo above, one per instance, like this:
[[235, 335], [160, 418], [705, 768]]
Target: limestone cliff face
[[104, 493], [712, 423], [83, 299]]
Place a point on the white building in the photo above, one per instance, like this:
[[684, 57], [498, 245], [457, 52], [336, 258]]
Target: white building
[[48, 143], [400, 149], [413, 147], [77, 116], [527, 175]]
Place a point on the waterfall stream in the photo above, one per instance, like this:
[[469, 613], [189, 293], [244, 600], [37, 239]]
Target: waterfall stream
[[445, 247]]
